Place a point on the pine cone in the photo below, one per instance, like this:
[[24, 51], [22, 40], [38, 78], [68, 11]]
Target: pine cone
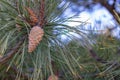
[[33, 17], [35, 37], [53, 77]]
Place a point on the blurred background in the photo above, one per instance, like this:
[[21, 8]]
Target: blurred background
[[96, 16]]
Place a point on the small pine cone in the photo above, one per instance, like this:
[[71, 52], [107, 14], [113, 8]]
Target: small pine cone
[[33, 16], [53, 77], [35, 37]]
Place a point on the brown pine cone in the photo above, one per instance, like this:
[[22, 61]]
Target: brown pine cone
[[33, 17], [53, 77], [35, 37]]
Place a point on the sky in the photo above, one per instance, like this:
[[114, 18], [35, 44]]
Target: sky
[[97, 19]]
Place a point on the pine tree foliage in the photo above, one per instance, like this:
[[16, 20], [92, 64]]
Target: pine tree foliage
[[52, 58]]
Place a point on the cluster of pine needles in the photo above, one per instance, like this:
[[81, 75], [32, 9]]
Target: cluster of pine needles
[[31, 47]]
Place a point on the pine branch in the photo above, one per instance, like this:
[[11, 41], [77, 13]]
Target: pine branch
[[10, 54], [6, 58]]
